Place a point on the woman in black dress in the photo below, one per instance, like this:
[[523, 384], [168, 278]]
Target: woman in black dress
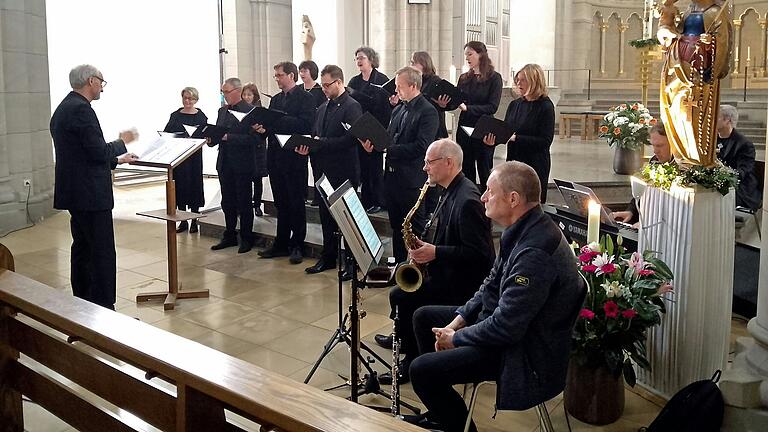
[[188, 175], [372, 99], [481, 85], [251, 96], [422, 62], [532, 117]]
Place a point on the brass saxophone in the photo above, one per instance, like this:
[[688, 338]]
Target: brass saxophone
[[410, 275]]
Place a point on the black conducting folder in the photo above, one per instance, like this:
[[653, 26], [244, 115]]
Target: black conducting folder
[[388, 87], [290, 142], [368, 128], [489, 124], [444, 87], [215, 133], [263, 116]]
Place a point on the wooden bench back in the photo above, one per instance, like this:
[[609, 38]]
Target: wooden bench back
[[70, 336]]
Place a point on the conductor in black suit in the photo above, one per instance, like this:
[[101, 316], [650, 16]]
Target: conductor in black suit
[[412, 128], [456, 250], [84, 185], [287, 168], [336, 155], [236, 164]]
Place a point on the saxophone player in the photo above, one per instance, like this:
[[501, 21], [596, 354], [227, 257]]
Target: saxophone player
[[459, 254], [412, 128]]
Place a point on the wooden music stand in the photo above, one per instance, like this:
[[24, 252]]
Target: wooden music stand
[[171, 216]]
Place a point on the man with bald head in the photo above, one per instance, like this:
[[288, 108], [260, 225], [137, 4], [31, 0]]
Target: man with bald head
[[516, 330], [457, 251]]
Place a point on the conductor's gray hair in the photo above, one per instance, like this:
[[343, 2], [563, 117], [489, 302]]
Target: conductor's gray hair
[[79, 75], [729, 112], [234, 82], [446, 148]]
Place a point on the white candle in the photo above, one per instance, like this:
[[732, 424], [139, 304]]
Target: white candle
[[749, 53], [593, 223], [453, 74]]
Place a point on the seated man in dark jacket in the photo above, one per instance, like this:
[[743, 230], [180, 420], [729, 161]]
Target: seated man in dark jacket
[[457, 256], [516, 330], [735, 151]]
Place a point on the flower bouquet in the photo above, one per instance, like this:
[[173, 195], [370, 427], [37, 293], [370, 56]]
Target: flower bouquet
[[624, 298], [626, 128]]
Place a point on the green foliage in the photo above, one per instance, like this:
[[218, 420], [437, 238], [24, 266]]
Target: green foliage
[[644, 43], [663, 176]]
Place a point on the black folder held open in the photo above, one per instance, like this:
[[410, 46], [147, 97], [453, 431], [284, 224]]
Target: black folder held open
[[260, 115], [489, 124], [215, 133], [368, 128], [444, 87], [290, 142]]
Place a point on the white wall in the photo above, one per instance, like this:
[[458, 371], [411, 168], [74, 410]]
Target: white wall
[[532, 33], [147, 50]]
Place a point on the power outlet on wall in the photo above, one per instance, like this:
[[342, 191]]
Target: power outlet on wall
[[28, 183]]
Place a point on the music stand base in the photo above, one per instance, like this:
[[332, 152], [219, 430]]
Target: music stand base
[[169, 299]]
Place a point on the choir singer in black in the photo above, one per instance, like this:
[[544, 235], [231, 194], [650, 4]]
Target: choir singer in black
[[235, 165], [412, 129], [336, 155], [288, 169]]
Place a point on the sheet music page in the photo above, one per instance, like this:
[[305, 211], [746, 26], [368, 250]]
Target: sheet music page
[[282, 139], [468, 130], [190, 129], [326, 187], [167, 150], [372, 239], [238, 115]]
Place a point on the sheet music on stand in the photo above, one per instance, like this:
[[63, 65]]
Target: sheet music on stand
[[354, 224], [165, 150]]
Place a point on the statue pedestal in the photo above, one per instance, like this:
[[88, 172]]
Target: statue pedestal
[[693, 230]]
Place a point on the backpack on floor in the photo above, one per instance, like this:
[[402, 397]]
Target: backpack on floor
[[696, 407]]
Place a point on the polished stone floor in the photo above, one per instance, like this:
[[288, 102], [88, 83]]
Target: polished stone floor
[[267, 312]]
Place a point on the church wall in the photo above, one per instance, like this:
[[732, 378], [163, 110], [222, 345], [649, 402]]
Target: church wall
[[26, 150]]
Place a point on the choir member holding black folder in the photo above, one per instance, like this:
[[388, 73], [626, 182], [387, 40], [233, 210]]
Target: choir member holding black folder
[[334, 152], [532, 118], [374, 100], [251, 95], [432, 89], [188, 175], [481, 85], [288, 174], [235, 166], [412, 129]]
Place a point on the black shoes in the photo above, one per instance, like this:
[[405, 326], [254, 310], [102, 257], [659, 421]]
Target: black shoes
[[403, 376], [373, 209], [296, 257], [182, 227], [273, 253], [193, 226], [320, 266], [384, 341], [245, 246], [223, 244], [257, 211]]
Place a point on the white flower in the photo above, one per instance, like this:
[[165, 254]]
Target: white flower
[[609, 117], [613, 289], [594, 246], [634, 127], [602, 260], [620, 121]]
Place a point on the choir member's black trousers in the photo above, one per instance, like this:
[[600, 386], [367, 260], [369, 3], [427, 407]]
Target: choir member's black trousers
[[476, 154], [399, 203], [371, 177], [258, 191], [433, 374], [94, 262], [236, 201], [289, 187]]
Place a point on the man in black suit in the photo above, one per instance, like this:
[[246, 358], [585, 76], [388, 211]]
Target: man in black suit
[[236, 164], [336, 155], [737, 152], [412, 128], [287, 168], [516, 329], [457, 256], [84, 185]]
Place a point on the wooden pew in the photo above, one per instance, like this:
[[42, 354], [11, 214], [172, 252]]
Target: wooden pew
[[73, 338]]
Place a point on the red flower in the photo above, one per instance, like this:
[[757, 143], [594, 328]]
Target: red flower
[[653, 121], [646, 272], [587, 256], [603, 129], [608, 268], [617, 131], [611, 309], [589, 268], [586, 314], [628, 314]]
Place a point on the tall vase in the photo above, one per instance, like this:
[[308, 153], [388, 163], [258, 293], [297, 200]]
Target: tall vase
[[593, 394], [626, 161]]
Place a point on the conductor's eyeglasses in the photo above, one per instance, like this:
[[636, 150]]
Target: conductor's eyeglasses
[[101, 80]]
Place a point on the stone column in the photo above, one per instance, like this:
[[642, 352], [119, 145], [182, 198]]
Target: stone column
[[736, 44], [603, 31], [622, 50], [764, 46], [26, 151], [745, 385]]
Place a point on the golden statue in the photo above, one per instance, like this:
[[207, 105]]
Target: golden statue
[[697, 55]]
